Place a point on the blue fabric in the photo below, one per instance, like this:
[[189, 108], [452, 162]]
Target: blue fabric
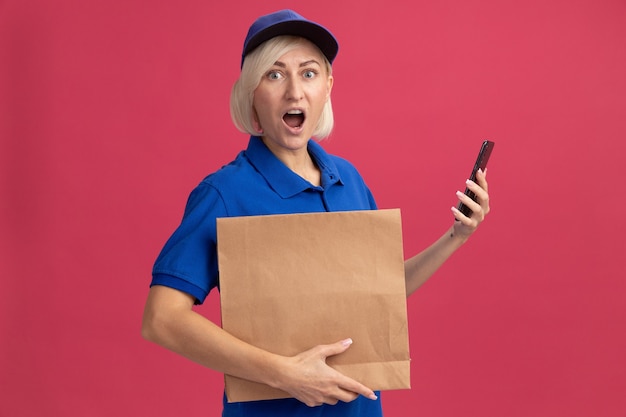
[[255, 183], [290, 407], [258, 183]]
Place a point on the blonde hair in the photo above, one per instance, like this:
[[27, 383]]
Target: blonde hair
[[255, 65]]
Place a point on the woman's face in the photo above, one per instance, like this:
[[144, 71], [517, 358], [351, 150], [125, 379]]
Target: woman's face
[[290, 98]]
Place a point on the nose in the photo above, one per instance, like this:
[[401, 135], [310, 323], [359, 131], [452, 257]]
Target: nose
[[294, 89]]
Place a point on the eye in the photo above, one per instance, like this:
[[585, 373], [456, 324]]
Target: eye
[[309, 74], [274, 75]]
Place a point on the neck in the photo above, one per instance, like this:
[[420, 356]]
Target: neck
[[299, 161]]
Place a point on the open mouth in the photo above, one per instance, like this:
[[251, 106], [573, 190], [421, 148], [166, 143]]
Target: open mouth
[[294, 118]]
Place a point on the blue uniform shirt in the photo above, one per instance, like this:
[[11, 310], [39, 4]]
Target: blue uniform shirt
[[258, 183]]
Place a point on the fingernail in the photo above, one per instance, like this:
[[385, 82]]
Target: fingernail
[[346, 342]]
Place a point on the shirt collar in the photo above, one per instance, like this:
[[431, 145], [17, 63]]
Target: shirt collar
[[283, 180]]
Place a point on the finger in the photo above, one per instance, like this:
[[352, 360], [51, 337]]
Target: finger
[[468, 201], [481, 179], [335, 348], [482, 196], [475, 217], [476, 188], [460, 216], [347, 384], [350, 385], [346, 396]]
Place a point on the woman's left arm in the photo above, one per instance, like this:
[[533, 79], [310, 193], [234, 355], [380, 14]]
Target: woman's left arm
[[423, 265]]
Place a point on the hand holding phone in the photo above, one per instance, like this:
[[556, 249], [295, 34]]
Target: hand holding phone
[[481, 163]]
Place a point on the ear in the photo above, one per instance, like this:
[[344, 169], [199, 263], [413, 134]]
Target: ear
[[329, 86], [255, 122]]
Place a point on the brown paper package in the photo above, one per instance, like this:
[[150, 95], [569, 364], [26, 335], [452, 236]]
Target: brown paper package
[[291, 282]]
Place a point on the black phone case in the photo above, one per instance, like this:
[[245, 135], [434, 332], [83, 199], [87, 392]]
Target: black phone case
[[481, 163]]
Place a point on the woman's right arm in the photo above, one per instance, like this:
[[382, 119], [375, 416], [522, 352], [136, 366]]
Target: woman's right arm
[[170, 321]]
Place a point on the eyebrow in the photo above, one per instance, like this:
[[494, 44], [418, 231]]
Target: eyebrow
[[304, 64]]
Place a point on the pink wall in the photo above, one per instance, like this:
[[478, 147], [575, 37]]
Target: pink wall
[[111, 112]]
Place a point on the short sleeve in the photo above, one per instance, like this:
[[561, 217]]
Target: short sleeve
[[188, 261]]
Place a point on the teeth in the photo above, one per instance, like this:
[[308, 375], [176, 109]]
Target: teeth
[[294, 112]]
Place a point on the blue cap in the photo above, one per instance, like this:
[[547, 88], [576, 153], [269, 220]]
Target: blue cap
[[288, 22]]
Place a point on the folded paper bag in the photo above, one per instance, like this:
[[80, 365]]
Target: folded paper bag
[[291, 282]]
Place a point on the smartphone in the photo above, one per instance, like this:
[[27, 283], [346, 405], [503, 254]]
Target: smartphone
[[481, 163]]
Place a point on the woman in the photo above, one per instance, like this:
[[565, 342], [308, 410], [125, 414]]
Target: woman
[[282, 99]]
